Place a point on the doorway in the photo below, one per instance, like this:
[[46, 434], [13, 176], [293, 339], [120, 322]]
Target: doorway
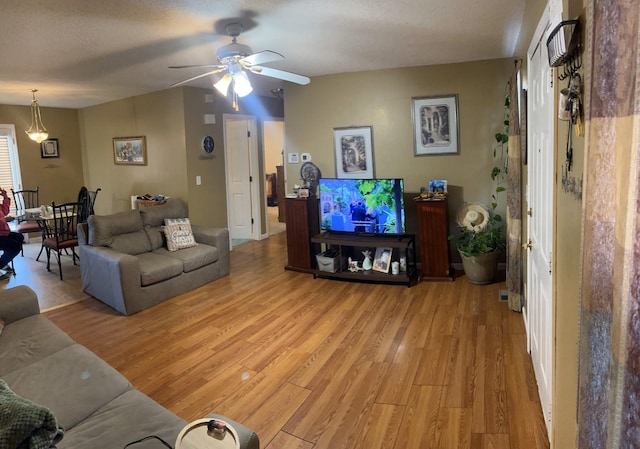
[[242, 168], [273, 145]]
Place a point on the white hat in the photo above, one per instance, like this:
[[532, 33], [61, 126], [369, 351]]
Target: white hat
[[473, 216]]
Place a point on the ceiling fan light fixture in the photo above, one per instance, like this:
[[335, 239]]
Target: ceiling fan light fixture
[[241, 84], [36, 131], [223, 84]]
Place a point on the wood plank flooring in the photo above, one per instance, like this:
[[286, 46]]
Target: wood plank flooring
[[323, 364]]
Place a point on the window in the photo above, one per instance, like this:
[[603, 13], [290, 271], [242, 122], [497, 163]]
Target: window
[[9, 163]]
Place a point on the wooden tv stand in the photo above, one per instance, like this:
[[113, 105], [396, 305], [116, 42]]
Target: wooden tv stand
[[350, 245]]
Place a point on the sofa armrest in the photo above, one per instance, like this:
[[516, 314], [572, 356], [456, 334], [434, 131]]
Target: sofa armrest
[[217, 237], [18, 303], [109, 275]]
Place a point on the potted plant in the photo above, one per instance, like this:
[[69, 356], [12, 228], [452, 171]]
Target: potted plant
[[482, 239], [480, 242]]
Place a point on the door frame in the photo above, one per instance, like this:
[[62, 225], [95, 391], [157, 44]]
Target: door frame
[[254, 171]]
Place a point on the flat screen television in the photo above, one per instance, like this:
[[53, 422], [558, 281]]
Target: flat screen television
[[362, 206]]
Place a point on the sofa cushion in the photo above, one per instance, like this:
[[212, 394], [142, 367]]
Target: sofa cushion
[[156, 267], [194, 257], [29, 340], [178, 233], [127, 418], [123, 232], [73, 383]]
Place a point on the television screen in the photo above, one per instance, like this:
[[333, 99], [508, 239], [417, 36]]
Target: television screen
[[366, 206]]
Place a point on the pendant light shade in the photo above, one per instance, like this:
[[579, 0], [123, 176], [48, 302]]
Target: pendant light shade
[[241, 84], [36, 131]]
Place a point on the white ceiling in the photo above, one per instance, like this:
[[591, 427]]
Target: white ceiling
[[84, 52]]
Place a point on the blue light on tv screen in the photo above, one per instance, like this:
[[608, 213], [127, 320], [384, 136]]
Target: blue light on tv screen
[[368, 206]]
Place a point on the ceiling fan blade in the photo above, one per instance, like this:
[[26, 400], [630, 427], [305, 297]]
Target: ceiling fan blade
[[213, 66], [280, 74], [261, 57], [198, 76]]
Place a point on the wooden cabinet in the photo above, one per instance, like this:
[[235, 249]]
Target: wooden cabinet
[[433, 241], [302, 218]]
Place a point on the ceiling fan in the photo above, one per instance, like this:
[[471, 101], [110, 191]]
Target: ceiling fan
[[236, 60]]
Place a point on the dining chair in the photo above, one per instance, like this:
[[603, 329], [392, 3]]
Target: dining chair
[[86, 201], [60, 232], [22, 200]]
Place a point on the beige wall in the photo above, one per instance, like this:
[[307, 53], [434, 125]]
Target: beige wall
[[273, 132], [159, 117], [383, 99], [60, 178]]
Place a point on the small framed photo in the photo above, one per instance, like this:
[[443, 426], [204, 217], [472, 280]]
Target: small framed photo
[[354, 152], [438, 187], [382, 259], [130, 150], [435, 125], [49, 148]]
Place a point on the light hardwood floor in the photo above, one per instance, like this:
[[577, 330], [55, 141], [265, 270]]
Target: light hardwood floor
[[322, 364]]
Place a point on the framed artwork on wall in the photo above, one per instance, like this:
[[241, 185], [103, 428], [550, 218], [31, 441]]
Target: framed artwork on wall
[[435, 125], [354, 152], [49, 148], [130, 150]]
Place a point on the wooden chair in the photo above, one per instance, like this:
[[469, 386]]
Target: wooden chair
[[60, 232], [86, 201], [25, 199]]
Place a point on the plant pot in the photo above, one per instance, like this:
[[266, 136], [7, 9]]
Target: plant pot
[[480, 270]]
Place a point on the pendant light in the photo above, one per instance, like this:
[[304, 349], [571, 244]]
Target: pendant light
[[36, 131]]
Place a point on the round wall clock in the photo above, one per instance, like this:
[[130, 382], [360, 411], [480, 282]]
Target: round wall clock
[[208, 144]]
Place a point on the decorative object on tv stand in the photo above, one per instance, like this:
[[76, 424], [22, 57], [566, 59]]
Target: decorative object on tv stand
[[435, 125], [36, 131], [382, 259], [366, 263], [354, 152]]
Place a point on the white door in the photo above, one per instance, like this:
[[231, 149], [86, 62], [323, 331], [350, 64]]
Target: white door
[[239, 148], [538, 304]]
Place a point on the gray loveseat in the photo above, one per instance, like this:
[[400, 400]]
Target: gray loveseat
[[96, 405], [124, 261]]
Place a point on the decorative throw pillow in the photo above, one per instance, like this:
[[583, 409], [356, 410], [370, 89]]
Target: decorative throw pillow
[[178, 233]]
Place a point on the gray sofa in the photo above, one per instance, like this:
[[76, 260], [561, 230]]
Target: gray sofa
[[96, 405], [124, 261]]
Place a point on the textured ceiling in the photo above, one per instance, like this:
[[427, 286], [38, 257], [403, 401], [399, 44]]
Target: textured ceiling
[[85, 52]]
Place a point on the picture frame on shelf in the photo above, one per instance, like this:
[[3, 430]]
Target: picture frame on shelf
[[49, 148], [382, 259], [435, 125], [130, 150], [353, 152]]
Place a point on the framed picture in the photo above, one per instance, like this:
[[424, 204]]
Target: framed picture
[[382, 260], [354, 152], [49, 148], [130, 150], [435, 125]]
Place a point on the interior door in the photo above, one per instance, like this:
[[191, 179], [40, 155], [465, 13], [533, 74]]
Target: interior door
[[237, 144], [539, 300]]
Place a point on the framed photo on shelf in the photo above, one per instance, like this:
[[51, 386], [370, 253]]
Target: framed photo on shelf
[[49, 148], [382, 259], [435, 125], [130, 150], [354, 152]]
